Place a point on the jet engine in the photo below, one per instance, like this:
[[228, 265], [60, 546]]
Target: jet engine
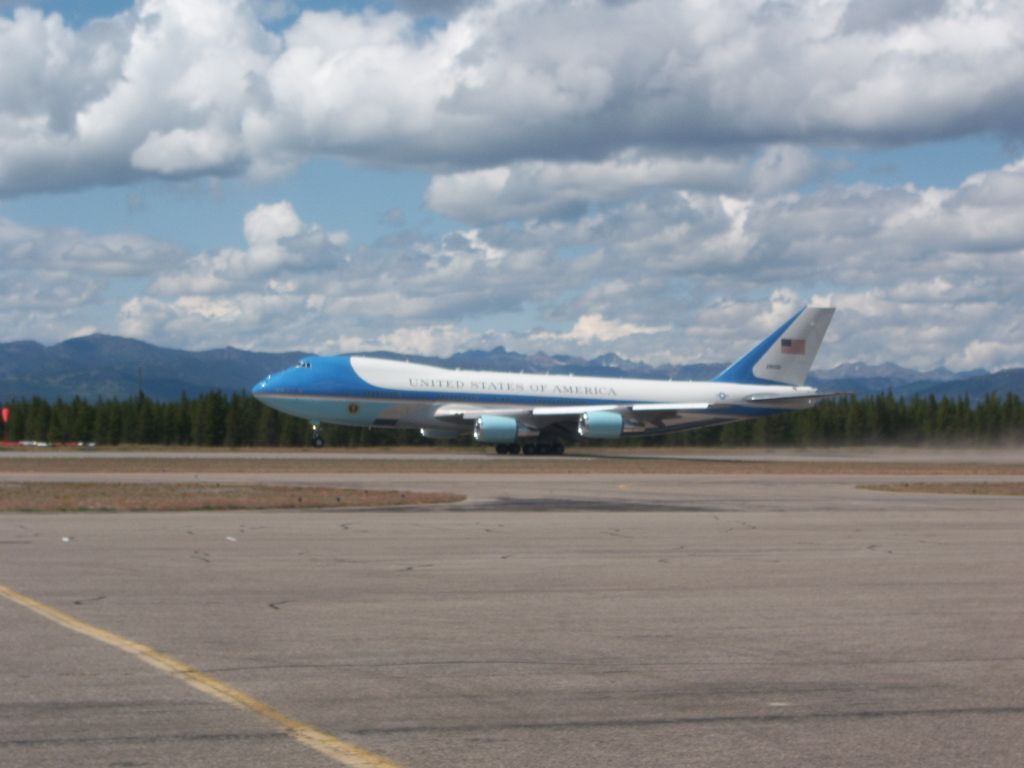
[[495, 429], [600, 425], [500, 429]]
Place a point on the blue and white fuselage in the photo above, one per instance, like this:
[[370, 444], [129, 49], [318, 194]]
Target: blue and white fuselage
[[541, 410]]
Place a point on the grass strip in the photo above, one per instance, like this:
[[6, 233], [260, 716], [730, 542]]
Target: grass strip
[[961, 488], [176, 497]]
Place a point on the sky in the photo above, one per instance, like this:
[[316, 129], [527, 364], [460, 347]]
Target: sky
[[661, 179]]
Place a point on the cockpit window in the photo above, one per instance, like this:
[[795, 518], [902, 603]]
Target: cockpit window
[[303, 364]]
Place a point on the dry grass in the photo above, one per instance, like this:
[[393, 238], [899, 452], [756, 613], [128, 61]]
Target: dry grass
[[967, 489], [167, 497]]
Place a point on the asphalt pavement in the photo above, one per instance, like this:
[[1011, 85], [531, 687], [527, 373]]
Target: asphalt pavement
[[549, 620]]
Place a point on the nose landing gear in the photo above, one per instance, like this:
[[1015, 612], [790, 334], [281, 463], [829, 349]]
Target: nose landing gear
[[317, 440]]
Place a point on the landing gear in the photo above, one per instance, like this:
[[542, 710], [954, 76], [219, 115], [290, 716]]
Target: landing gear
[[531, 449], [553, 448], [317, 439]]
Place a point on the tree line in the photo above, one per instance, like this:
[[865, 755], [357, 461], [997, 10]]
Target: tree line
[[238, 420]]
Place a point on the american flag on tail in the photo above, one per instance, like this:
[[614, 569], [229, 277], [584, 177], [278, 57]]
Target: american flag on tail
[[793, 347]]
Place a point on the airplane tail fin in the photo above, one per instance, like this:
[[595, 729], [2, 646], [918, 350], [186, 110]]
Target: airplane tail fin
[[784, 357]]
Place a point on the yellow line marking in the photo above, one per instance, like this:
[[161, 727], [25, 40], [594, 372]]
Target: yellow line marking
[[344, 752]]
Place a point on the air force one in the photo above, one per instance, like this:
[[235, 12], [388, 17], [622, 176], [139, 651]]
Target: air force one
[[535, 413]]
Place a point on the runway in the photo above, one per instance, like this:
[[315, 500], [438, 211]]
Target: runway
[[770, 619]]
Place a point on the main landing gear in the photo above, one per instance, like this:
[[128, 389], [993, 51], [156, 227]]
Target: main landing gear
[[554, 448]]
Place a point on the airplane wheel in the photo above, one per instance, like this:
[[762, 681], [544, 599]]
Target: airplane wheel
[[513, 449], [501, 449], [529, 449], [559, 449], [318, 441]]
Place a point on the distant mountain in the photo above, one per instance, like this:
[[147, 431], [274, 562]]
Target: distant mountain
[[893, 372], [975, 387], [110, 366], [865, 379]]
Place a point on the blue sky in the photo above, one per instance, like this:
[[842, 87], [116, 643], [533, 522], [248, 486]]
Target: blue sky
[[660, 179], [202, 213]]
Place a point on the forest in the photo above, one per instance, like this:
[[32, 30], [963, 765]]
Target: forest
[[238, 420]]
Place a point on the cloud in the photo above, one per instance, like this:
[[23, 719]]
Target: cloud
[[547, 188], [183, 151], [669, 276], [441, 340], [52, 282], [885, 15], [554, 91], [275, 10], [918, 274], [74, 252], [157, 90], [296, 285], [988, 355], [443, 8], [534, 189], [595, 328], [279, 244], [923, 276]]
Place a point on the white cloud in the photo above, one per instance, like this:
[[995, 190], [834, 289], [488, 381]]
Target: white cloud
[[573, 91], [296, 285], [594, 327], [54, 282], [279, 243], [544, 188], [440, 340], [990, 355], [159, 89], [181, 151], [916, 275], [781, 167]]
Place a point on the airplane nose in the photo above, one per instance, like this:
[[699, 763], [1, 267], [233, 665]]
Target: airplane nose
[[265, 387], [286, 382]]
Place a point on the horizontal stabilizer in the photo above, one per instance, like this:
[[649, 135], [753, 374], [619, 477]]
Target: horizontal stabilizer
[[669, 407], [794, 399]]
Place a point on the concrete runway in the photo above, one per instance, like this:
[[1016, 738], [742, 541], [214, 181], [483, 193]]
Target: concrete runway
[[550, 620]]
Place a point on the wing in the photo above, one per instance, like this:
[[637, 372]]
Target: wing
[[638, 418]]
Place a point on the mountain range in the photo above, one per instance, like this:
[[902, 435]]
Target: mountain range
[[112, 367]]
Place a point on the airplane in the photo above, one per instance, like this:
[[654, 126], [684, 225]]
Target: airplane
[[536, 413]]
